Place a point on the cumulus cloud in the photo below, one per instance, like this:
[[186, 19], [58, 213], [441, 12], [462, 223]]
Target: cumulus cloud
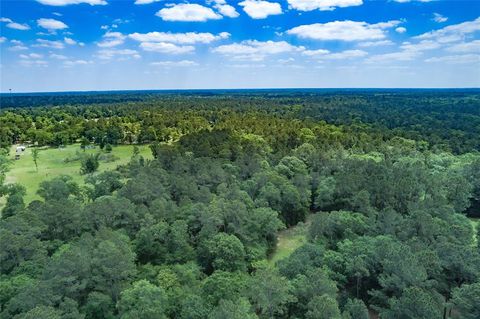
[[31, 56], [369, 44], [71, 63], [17, 46], [112, 39], [452, 33], [224, 8], [49, 44], [28, 63], [14, 25], [182, 63], [401, 30], [394, 56], [164, 47], [456, 59], [258, 9], [325, 54], [3, 39], [254, 50], [343, 30], [187, 12], [181, 38], [437, 17], [146, 1], [473, 46], [68, 2], [323, 5], [315, 53], [107, 54], [421, 46], [51, 24], [58, 56]]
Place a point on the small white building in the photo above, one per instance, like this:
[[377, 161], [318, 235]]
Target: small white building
[[20, 149]]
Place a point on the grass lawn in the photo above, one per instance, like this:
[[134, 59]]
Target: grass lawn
[[289, 240], [51, 163]]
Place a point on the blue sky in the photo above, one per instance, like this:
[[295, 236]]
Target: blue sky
[[60, 45]]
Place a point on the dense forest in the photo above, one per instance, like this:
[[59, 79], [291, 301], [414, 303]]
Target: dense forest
[[384, 182]]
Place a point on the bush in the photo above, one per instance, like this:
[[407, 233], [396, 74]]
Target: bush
[[89, 164]]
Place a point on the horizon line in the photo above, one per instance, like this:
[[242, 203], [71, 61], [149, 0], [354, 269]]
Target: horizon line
[[237, 89]]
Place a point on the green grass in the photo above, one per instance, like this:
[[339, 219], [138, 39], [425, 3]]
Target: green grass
[[51, 163], [475, 224], [288, 241]]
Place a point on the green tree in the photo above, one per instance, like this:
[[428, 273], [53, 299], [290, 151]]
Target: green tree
[[323, 307], [355, 309], [414, 303], [226, 252], [229, 309], [270, 293], [466, 301], [144, 300], [89, 164], [35, 153]]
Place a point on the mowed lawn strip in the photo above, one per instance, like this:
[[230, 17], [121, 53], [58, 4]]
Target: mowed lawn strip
[[288, 241], [51, 163]]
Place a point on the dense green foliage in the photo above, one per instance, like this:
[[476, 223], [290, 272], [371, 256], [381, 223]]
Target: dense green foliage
[[188, 234]]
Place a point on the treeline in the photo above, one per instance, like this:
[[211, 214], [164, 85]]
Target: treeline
[[445, 120], [186, 235]]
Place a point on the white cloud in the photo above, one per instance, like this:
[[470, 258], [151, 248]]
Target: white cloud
[[394, 57], [49, 44], [421, 46], [107, 54], [18, 47], [226, 9], [325, 54], [181, 38], [28, 63], [112, 39], [254, 50], [51, 24], [452, 33], [164, 47], [323, 5], [187, 12], [31, 56], [258, 9], [369, 44], [315, 53], [456, 59], [69, 41], [146, 1], [3, 39], [14, 25], [473, 46], [437, 17], [58, 56], [183, 63], [68, 2], [401, 30], [71, 63], [343, 30]]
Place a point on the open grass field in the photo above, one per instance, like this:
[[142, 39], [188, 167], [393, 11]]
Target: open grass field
[[288, 241], [51, 163]]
